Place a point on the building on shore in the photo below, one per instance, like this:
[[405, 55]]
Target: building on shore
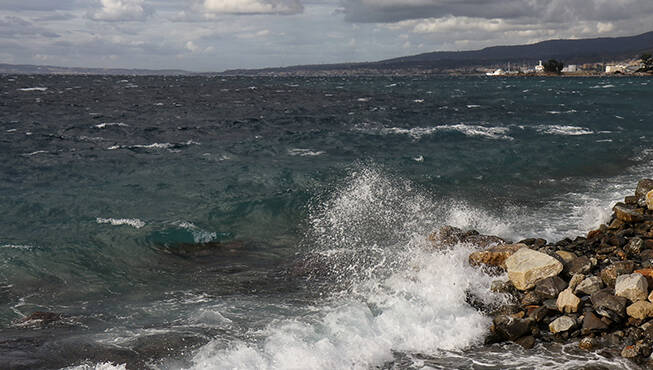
[[539, 68], [572, 68], [615, 68]]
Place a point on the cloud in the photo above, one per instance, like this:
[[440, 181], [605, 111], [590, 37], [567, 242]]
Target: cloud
[[559, 11], [15, 27], [283, 7], [121, 10], [37, 5]]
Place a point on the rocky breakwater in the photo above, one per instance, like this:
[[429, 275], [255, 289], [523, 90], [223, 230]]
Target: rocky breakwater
[[594, 290]]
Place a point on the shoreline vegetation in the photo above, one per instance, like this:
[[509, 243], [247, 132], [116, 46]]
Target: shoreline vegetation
[[594, 290]]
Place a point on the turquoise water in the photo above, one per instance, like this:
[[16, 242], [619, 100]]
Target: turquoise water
[[106, 181]]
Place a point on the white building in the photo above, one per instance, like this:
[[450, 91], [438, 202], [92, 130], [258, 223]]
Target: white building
[[570, 68], [615, 68], [539, 68]]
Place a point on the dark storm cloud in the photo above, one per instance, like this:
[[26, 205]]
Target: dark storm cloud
[[547, 10]]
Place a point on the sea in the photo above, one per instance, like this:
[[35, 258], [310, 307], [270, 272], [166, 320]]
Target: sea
[[208, 222]]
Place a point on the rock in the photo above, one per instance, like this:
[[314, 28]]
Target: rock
[[446, 237], [643, 187], [650, 296], [628, 214], [526, 342], [567, 302], [579, 265], [538, 314], [511, 328], [648, 274], [566, 256], [530, 298], [608, 305], [640, 310], [41, 319], [587, 344], [592, 324], [589, 286], [495, 256], [633, 287], [561, 324], [634, 246], [550, 287], [648, 199], [501, 286], [575, 280], [483, 241], [525, 267], [610, 273], [629, 352]]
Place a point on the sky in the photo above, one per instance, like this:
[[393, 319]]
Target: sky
[[216, 35]]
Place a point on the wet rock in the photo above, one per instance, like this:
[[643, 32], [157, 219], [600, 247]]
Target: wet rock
[[538, 314], [511, 328], [648, 199], [446, 237], [530, 298], [643, 187], [633, 287], [629, 352], [550, 287], [592, 324], [526, 342], [41, 319], [525, 267], [483, 241], [495, 256], [562, 324], [579, 265], [588, 344], [567, 302], [639, 349], [640, 310], [608, 305], [628, 214], [610, 273], [501, 286], [635, 246], [589, 286], [650, 296]]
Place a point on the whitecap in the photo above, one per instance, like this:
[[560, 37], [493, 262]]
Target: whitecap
[[363, 99], [470, 106], [199, 235], [418, 101], [134, 222], [607, 86], [419, 158], [305, 152], [35, 153], [33, 89], [563, 130], [17, 246], [109, 124], [11, 130], [468, 130]]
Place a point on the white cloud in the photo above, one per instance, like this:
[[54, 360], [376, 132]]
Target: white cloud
[[120, 10], [252, 6]]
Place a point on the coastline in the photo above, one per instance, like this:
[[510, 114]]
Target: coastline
[[594, 290]]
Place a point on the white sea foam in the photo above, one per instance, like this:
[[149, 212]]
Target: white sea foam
[[561, 112], [199, 235], [109, 124], [471, 106], [419, 158], [99, 366], [17, 246], [33, 89], [563, 130], [497, 133], [134, 222], [35, 153], [305, 152], [397, 294], [418, 101]]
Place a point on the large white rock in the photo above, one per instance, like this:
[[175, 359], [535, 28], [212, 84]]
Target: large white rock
[[632, 286], [527, 266], [562, 323]]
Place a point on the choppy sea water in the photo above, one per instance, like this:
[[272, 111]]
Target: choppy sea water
[[312, 197]]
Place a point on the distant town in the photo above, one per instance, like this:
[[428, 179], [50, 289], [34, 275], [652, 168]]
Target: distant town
[[634, 66]]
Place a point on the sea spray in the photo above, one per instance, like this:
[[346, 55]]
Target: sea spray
[[392, 290]]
